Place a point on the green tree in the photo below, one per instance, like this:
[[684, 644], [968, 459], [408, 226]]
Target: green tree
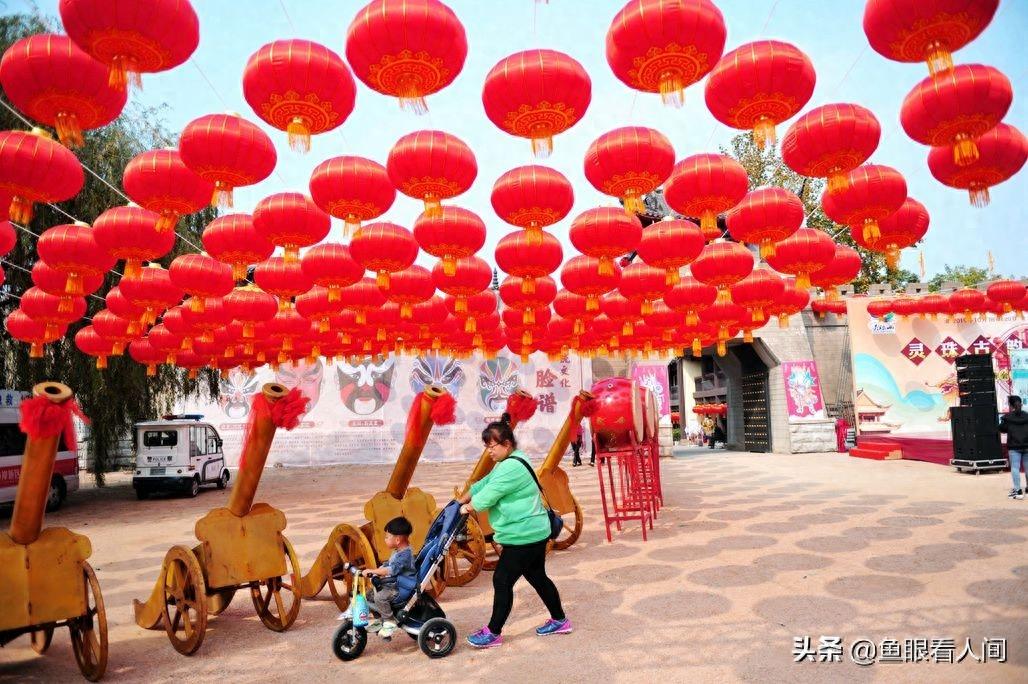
[[765, 167], [115, 398], [968, 276]]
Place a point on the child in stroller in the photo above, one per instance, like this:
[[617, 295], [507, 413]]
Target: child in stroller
[[414, 611]]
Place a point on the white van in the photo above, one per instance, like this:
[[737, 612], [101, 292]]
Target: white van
[[177, 453], [12, 447]]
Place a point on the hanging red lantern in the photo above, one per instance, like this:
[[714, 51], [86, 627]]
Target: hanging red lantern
[[362, 297], [201, 276], [431, 166], [573, 307], [454, 234], [478, 306], [132, 38], [526, 322], [643, 282], [289, 326], [584, 276], [330, 265], [758, 86], [158, 180], [722, 264], [880, 308], [605, 233], [954, 108], [214, 317], [933, 305], [966, 301], [514, 255], [806, 251], [429, 317], [664, 319], [73, 249], [114, 329], [408, 287], [830, 141], [233, 239], [1006, 293], [120, 306], [228, 151], [706, 185], [1001, 154], [145, 354], [407, 49], [290, 220], [130, 233], [34, 168], [45, 308], [55, 282], [792, 300], [91, 343], [623, 311], [725, 318], [905, 307], [316, 307], [841, 270], [824, 306], [536, 94], [514, 294], [532, 197], [471, 275], [758, 290], [903, 228], [8, 238], [165, 341], [925, 30], [869, 194], [55, 83], [284, 279], [353, 189], [36, 334], [153, 291], [628, 163], [671, 245], [764, 217], [299, 87], [384, 248], [250, 306], [664, 47]]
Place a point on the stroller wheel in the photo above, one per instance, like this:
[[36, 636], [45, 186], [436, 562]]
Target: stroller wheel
[[349, 642], [437, 638]]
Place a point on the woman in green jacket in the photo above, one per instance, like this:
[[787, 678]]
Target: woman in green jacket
[[521, 527]]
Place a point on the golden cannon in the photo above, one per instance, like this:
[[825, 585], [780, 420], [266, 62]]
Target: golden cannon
[[46, 580], [241, 546], [364, 546]]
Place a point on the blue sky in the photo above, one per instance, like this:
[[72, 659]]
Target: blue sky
[[829, 32]]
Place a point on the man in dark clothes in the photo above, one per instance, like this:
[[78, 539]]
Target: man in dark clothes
[[1015, 424]]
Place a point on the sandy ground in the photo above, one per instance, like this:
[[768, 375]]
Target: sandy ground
[[749, 552]]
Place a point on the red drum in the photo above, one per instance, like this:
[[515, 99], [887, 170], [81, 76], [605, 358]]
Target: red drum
[[619, 422], [650, 415]]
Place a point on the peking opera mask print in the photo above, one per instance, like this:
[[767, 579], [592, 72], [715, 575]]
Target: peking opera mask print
[[497, 380], [305, 375], [364, 387], [236, 392], [439, 370]]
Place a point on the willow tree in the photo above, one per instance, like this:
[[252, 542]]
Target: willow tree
[[122, 394]]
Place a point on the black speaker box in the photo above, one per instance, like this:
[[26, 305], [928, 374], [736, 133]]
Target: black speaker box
[[973, 361], [984, 399], [978, 448], [973, 420]]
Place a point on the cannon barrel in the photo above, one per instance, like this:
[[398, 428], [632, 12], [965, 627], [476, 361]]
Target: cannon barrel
[[37, 468], [563, 438], [485, 464], [257, 447], [414, 441]]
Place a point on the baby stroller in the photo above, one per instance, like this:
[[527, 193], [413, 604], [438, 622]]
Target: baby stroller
[[416, 613]]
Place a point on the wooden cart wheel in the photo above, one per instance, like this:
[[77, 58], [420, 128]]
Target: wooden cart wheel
[[438, 584], [466, 556], [351, 546], [572, 528], [277, 599], [89, 631], [185, 600], [491, 560], [41, 639]]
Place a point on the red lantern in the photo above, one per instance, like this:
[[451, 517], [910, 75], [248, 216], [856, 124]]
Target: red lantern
[[407, 49], [299, 87], [165, 341], [532, 197], [408, 287], [201, 276], [130, 233], [513, 293], [49, 78], [228, 151], [954, 108], [384, 248], [706, 185], [536, 94], [766, 216], [759, 85], [36, 334], [792, 300], [471, 275], [722, 264], [73, 249], [841, 270], [670, 245], [830, 141], [643, 282], [214, 317], [234, 240], [623, 311], [905, 307], [45, 308], [114, 329], [514, 255], [132, 38], [628, 163], [8, 238], [477, 306], [362, 297], [726, 318], [605, 233], [455, 233], [1006, 293], [120, 306], [431, 166], [144, 353], [869, 194], [758, 290], [903, 228], [1001, 154], [158, 180], [91, 343], [34, 168], [881, 308], [807, 251], [153, 291], [330, 265], [925, 30], [315, 306], [288, 326], [823, 306], [664, 47], [284, 279], [353, 189], [250, 306], [664, 319], [584, 276], [934, 304], [573, 307], [290, 220]]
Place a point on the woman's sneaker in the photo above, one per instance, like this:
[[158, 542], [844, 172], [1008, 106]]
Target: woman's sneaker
[[554, 627], [483, 638], [1015, 494]]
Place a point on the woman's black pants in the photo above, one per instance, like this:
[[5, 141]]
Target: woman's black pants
[[517, 561]]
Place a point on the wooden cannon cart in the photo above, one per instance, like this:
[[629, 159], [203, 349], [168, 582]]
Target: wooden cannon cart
[[364, 546], [45, 579], [241, 546]]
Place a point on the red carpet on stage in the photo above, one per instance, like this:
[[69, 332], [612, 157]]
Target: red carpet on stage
[[931, 449]]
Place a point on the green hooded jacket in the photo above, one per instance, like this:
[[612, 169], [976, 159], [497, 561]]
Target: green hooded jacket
[[511, 497]]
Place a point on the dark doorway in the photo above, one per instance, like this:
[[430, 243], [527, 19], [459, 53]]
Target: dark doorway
[[756, 410]]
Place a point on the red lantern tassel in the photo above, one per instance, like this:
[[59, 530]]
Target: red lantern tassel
[[68, 130], [606, 266], [406, 312], [647, 307], [526, 338], [528, 285], [20, 210], [124, 73], [322, 325], [697, 348], [692, 318], [708, 224], [73, 286], [460, 305], [758, 315], [579, 328], [979, 195], [36, 350], [151, 370], [939, 59], [723, 295], [764, 133], [627, 329], [351, 224], [239, 271], [167, 221], [803, 280], [783, 320], [528, 317], [470, 325], [965, 150], [433, 208], [542, 145], [672, 90], [767, 248], [222, 196], [101, 363], [633, 203], [592, 303], [671, 277], [871, 231], [299, 135], [382, 280]]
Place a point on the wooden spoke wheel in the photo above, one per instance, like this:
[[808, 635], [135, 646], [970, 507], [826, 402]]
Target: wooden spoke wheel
[[277, 599], [185, 600], [438, 583], [466, 556], [89, 631], [492, 559], [41, 639], [572, 528], [351, 546]]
